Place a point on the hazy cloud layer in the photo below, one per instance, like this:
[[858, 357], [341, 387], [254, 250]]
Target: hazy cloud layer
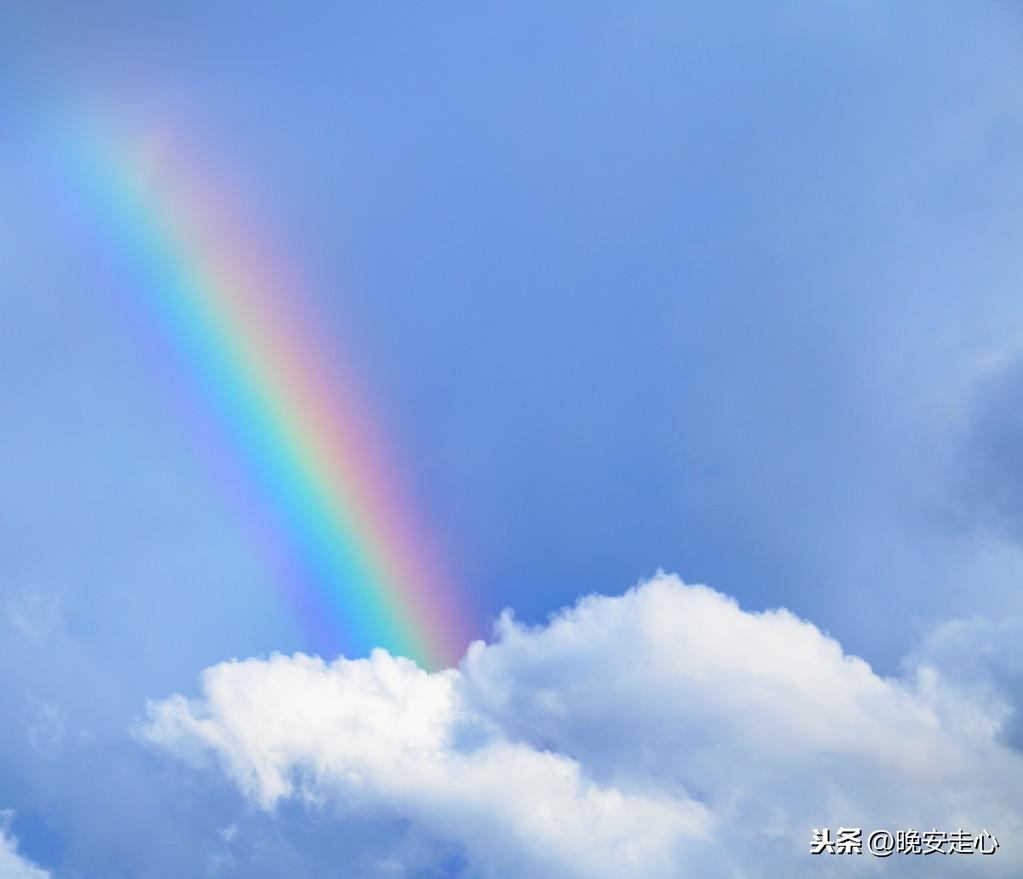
[[662, 733]]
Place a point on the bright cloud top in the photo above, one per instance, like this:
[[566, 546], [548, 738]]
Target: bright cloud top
[[661, 731]]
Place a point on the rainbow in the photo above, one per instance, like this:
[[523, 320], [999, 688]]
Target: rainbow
[[369, 576]]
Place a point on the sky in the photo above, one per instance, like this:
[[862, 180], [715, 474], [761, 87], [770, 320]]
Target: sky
[[691, 333]]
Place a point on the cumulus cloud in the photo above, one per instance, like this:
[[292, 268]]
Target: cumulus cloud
[[12, 864], [383, 734], [662, 733]]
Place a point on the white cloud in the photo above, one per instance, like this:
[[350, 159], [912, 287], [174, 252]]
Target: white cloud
[[12, 864], [383, 734], [665, 732]]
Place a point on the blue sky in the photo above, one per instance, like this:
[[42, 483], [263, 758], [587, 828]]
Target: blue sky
[[724, 289]]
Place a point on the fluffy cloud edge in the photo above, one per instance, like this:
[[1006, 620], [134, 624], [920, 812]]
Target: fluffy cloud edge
[[14, 865]]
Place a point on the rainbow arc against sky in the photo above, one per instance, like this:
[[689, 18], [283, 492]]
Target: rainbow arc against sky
[[370, 575]]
